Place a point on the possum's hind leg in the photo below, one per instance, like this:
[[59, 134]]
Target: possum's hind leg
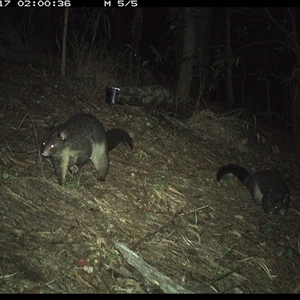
[[99, 158]]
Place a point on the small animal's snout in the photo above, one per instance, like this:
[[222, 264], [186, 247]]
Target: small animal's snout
[[45, 153]]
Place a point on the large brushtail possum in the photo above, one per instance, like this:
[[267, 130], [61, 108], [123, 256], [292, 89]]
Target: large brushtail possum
[[266, 188], [81, 138]]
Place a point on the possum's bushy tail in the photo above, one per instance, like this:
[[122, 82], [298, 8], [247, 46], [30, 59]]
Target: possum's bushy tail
[[115, 136], [240, 172]]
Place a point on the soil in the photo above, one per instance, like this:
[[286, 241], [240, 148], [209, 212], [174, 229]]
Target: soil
[[161, 200]]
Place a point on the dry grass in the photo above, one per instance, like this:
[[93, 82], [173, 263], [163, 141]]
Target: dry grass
[[161, 201]]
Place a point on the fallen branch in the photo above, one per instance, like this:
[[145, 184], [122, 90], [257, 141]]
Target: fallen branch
[[153, 275]]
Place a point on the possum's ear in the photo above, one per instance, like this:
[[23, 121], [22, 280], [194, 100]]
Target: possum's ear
[[64, 134]]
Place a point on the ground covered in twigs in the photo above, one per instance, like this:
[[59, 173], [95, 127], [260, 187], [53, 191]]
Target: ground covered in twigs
[[161, 200]]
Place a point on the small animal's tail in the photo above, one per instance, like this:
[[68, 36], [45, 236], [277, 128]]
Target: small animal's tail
[[115, 136], [240, 172]]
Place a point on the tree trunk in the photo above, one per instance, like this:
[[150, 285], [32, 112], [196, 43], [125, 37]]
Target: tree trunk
[[64, 43], [176, 17], [201, 78], [188, 57], [229, 54], [136, 39], [296, 117]]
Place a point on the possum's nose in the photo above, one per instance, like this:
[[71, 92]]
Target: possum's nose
[[46, 152]]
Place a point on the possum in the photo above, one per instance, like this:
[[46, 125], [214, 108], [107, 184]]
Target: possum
[[266, 187], [81, 138]]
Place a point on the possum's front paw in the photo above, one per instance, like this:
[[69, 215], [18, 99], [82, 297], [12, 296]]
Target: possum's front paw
[[74, 169]]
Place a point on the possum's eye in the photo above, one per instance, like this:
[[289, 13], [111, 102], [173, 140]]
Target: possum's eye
[[52, 146]]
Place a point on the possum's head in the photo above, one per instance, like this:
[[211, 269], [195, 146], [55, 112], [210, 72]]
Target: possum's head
[[276, 202], [54, 142]]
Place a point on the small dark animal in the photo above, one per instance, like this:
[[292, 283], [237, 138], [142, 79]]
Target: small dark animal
[[266, 188], [80, 139]]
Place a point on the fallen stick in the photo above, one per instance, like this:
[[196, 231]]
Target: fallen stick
[[153, 275]]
